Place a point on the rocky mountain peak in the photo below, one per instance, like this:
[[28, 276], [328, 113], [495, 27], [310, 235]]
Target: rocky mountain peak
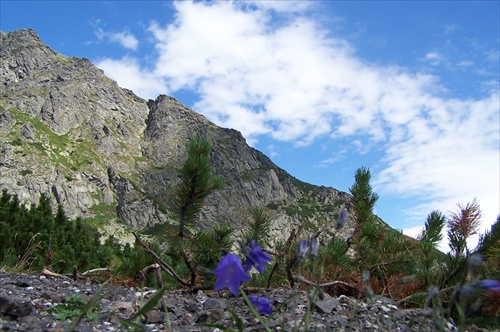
[[70, 132]]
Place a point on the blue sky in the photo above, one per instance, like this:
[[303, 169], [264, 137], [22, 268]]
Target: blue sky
[[409, 89]]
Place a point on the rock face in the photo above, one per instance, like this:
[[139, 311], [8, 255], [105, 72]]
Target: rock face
[[70, 132]]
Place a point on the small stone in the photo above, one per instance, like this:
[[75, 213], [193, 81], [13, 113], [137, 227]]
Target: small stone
[[154, 317], [192, 307], [201, 297], [15, 307], [327, 305], [22, 283], [186, 320], [212, 303], [340, 320], [211, 316]]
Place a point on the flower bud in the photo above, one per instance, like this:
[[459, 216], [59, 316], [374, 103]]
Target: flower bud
[[474, 260], [313, 248], [342, 220], [365, 276], [493, 285], [302, 250]]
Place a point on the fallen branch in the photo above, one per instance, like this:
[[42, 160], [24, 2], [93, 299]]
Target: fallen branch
[[95, 271], [74, 275], [142, 275], [49, 273], [165, 267], [326, 284]]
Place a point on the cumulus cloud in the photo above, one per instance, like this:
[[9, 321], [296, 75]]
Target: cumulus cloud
[[434, 58], [129, 74], [265, 68], [123, 38]]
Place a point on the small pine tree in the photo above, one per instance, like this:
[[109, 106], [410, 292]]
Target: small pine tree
[[196, 183], [258, 227], [364, 199], [461, 225], [378, 251], [489, 249], [429, 238]]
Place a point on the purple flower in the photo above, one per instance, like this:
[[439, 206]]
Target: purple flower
[[493, 285], [262, 304], [230, 274], [342, 219], [302, 250], [313, 248], [256, 258]]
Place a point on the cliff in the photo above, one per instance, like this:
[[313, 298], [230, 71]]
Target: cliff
[[103, 153]]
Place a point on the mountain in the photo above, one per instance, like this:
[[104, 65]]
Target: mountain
[[105, 154]]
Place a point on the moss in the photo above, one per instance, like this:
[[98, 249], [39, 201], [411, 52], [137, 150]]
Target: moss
[[16, 142], [104, 213], [272, 206], [26, 172], [158, 230], [303, 186], [65, 61], [38, 145]]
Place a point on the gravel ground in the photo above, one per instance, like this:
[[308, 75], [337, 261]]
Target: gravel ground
[[27, 303]]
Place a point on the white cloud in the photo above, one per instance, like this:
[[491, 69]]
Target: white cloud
[[416, 231], [124, 38], [284, 75], [128, 73], [434, 58]]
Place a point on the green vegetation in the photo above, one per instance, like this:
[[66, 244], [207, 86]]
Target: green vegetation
[[73, 307], [17, 142], [35, 238], [103, 214], [25, 172], [375, 261], [197, 250], [61, 150], [303, 186]]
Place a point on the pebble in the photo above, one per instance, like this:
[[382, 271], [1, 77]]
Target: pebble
[[26, 302]]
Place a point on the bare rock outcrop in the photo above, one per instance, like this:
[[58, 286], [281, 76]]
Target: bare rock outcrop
[[71, 133]]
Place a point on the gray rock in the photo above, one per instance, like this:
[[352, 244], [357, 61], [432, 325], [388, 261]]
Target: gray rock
[[212, 303], [71, 133], [154, 317], [123, 302], [326, 305], [14, 307]]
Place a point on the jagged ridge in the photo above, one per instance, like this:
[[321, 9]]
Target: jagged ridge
[[70, 132]]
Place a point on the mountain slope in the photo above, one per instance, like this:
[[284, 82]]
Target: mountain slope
[[70, 132]]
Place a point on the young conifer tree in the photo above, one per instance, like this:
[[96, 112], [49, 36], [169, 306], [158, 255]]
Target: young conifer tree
[[364, 198], [427, 261], [381, 252], [462, 224], [196, 183]]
